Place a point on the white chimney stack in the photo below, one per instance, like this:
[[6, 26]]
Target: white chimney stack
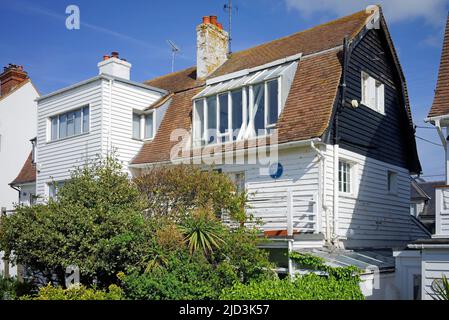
[[114, 66], [211, 47]]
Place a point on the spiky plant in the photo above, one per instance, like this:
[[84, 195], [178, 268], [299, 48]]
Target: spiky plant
[[202, 231], [441, 289]]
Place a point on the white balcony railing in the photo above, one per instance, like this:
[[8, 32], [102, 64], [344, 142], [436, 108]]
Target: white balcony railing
[[286, 212]]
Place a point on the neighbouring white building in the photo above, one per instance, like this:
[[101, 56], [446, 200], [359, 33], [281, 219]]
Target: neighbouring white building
[[337, 125], [18, 114], [421, 266]]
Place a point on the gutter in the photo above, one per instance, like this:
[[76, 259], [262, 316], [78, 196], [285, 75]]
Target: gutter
[[302, 143]]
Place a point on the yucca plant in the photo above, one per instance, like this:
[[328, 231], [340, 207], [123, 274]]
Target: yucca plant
[[202, 231], [441, 289]]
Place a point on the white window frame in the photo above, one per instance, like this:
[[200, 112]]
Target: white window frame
[[352, 177], [392, 185], [57, 115], [56, 185], [373, 93], [142, 116]]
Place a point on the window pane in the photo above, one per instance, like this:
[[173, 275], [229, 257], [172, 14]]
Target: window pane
[[149, 126], [272, 88], [237, 112], [86, 119], [78, 121], [70, 124], [54, 128], [136, 126], [198, 125], [224, 112], [211, 118], [258, 109], [344, 177], [63, 126]]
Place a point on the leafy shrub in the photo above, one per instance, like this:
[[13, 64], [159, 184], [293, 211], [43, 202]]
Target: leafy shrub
[[307, 287], [182, 277], [314, 263], [96, 223], [11, 288], [177, 190], [77, 292]]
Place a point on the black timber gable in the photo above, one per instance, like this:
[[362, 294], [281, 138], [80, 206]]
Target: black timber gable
[[386, 137]]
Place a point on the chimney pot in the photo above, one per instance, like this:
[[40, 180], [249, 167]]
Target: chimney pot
[[206, 19], [220, 26], [106, 57], [213, 20], [115, 54]]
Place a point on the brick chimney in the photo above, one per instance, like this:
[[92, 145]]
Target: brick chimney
[[211, 46], [114, 66], [12, 76]]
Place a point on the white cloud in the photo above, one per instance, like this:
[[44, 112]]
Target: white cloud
[[432, 11]]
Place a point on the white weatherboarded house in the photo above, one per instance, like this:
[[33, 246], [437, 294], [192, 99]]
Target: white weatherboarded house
[[316, 126], [90, 119]]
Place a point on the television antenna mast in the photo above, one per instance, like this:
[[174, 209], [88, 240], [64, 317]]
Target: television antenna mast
[[174, 50], [229, 7]]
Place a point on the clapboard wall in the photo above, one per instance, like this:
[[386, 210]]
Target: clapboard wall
[[385, 137]]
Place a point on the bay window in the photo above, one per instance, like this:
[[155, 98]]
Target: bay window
[[69, 124]]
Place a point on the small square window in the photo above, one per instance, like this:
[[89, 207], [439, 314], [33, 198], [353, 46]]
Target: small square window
[[392, 183]]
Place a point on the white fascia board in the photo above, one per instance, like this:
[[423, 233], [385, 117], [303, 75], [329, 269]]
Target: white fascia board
[[96, 78], [245, 72], [282, 146]]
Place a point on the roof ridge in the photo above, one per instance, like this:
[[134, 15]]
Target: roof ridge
[[170, 74], [305, 30], [338, 20]]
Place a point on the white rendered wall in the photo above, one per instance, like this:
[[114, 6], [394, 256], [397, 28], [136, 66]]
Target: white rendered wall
[[18, 114]]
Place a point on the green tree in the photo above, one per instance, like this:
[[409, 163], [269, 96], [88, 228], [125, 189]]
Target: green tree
[[96, 223], [177, 190]]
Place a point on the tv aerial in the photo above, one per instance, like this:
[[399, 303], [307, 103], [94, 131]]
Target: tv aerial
[[174, 50], [229, 7]]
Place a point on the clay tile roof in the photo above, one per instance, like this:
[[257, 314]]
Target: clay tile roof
[[309, 106], [316, 39], [440, 104], [27, 174]]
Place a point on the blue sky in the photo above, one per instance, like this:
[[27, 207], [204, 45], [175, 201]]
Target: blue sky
[[34, 35]]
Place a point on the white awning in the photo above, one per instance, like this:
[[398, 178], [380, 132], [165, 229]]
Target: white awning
[[250, 79]]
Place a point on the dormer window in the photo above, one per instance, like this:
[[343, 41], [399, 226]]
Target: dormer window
[[238, 114], [243, 105], [143, 125], [373, 93]]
